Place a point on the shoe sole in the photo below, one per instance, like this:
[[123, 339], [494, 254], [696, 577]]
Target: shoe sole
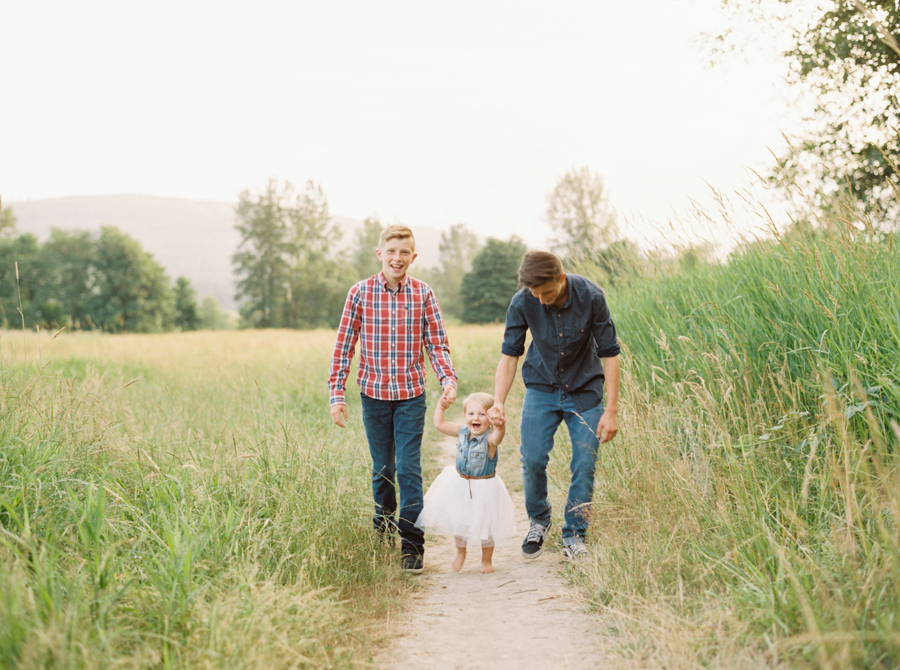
[[531, 557], [414, 571]]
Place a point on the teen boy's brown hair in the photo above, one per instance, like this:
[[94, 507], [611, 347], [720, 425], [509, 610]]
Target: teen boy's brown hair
[[538, 268]]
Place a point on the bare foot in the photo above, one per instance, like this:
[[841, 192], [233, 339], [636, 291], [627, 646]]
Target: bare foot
[[487, 553], [457, 563]]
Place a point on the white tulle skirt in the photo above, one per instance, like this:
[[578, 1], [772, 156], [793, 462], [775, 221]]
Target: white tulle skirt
[[487, 517]]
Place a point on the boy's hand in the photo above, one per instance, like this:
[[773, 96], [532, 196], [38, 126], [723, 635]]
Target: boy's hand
[[608, 426], [339, 414], [496, 414], [448, 396]]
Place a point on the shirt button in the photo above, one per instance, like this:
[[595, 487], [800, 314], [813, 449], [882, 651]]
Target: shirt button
[[560, 334]]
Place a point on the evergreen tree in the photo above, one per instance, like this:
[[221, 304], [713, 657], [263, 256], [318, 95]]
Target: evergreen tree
[[493, 280], [362, 256], [260, 264], [313, 274], [458, 248]]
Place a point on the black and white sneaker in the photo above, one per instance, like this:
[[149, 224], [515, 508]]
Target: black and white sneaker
[[534, 541], [574, 550], [413, 563]]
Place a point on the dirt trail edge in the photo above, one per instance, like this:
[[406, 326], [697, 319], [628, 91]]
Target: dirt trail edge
[[523, 616]]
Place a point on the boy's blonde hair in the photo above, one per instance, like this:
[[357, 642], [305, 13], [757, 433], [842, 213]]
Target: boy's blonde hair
[[485, 399], [396, 232]]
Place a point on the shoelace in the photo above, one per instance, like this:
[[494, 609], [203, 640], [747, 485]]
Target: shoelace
[[535, 533], [576, 548]]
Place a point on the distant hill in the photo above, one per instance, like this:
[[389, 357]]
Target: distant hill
[[191, 238]]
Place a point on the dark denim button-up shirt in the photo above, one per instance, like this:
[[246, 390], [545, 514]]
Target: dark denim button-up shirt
[[567, 343]]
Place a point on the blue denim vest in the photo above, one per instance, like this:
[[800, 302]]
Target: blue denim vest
[[472, 457]]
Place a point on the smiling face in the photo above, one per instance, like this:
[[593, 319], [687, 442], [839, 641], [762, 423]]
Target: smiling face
[[396, 255], [476, 417]]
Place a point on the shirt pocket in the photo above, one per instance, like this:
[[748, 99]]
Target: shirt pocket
[[477, 457], [575, 338]]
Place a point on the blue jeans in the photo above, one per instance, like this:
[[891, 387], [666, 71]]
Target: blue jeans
[[394, 431], [541, 415]]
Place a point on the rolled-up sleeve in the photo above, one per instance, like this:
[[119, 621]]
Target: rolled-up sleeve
[[516, 328], [603, 328]]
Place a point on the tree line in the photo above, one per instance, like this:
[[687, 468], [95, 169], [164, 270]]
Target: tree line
[[93, 281]]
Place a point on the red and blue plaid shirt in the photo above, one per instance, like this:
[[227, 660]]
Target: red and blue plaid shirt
[[392, 327]]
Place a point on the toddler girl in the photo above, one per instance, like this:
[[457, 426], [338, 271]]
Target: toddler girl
[[469, 500]]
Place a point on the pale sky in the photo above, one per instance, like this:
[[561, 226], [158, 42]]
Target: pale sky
[[423, 113]]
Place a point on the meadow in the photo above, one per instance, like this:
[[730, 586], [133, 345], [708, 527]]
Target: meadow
[[182, 500]]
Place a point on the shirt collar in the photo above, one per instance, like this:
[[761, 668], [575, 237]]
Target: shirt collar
[[400, 286]]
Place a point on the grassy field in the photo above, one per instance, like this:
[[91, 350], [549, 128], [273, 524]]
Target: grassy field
[[748, 515], [182, 500]]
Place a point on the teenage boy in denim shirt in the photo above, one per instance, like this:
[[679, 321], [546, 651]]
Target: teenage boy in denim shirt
[[573, 350], [393, 316]]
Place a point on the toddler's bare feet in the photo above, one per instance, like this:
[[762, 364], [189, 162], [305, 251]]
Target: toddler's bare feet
[[457, 563], [487, 553]]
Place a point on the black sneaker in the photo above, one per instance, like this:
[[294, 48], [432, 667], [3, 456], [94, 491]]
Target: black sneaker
[[413, 563], [534, 541]]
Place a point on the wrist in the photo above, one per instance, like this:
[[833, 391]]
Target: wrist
[[611, 410]]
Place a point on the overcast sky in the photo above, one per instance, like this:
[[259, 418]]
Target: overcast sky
[[422, 113]]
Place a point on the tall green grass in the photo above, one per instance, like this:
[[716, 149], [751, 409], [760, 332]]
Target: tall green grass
[[748, 512], [183, 501]]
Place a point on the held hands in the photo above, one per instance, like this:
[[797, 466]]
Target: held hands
[[448, 396], [608, 426], [339, 414], [497, 416]]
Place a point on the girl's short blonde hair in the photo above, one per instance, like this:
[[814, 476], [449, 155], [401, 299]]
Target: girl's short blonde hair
[[485, 399]]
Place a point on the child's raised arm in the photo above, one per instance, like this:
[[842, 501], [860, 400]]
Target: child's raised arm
[[446, 427], [498, 422]]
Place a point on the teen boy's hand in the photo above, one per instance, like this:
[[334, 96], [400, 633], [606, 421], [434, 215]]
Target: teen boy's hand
[[339, 414], [448, 396]]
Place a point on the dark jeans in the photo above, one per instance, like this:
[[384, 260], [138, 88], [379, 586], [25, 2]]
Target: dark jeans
[[394, 430], [541, 415]]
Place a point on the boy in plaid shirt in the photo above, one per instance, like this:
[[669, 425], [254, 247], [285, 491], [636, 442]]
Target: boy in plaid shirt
[[394, 316]]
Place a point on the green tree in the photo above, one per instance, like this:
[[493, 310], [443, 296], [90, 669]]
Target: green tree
[[132, 292], [493, 280], [7, 223], [186, 314], [260, 265], [211, 317], [458, 249], [845, 59], [314, 283], [67, 278], [20, 277], [362, 256], [580, 214]]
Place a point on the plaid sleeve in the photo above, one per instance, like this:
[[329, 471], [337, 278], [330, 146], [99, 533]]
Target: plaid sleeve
[[344, 346], [436, 343]]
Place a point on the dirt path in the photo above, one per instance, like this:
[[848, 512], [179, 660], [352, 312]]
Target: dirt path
[[522, 616]]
